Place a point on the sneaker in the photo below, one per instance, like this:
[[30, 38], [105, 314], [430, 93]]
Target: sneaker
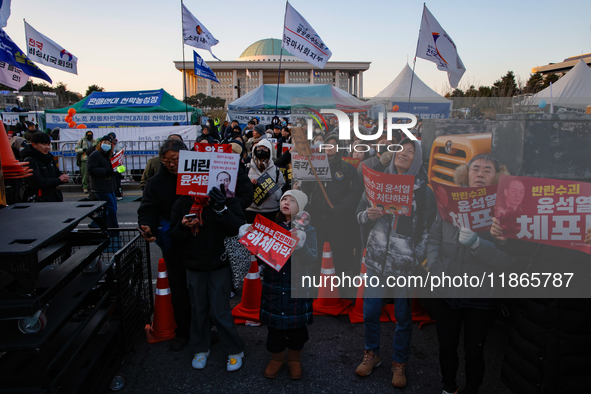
[[119, 198], [399, 375], [85, 191], [449, 392], [234, 362], [371, 360], [199, 360]]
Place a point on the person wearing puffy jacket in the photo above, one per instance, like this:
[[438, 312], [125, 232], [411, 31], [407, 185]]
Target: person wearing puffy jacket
[[102, 177]]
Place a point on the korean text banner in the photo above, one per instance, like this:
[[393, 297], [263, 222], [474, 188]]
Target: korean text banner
[[391, 192], [269, 242], [12, 76], [301, 40], [141, 98], [302, 170], [201, 68], [193, 173], [546, 211], [12, 54], [223, 170], [119, 119], [265, 187], [201, 147], [117, 159], [46, 51], [469, 207], [354, 162]]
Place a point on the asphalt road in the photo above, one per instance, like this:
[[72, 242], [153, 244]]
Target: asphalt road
[[329, 359]]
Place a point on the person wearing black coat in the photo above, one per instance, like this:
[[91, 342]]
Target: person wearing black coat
[[43, 184], [102, 177]]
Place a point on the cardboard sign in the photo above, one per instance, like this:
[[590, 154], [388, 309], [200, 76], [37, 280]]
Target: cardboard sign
[[298, 137], [224, 148], [223, 169], [193, 173], [354, 162], [265, 187], [269, 242], [469, 207], [117, 159], [546, 211], [391, 192], [302, 171]]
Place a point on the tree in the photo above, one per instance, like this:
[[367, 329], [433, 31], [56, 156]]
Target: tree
[[535, 83], [93, 88], [66, 96], [506, 86]]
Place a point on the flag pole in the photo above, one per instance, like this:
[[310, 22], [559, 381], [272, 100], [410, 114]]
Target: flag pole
[[32, 91], [280, 58], [414, 63], [184, 72]]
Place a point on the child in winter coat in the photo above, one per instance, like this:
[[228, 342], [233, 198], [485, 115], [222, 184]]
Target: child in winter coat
[[287, 318]]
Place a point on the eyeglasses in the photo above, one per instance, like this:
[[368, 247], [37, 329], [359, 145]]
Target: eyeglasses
[[167, 162]]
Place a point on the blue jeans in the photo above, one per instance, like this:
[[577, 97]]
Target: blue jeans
[[111, 208], [372, 310]]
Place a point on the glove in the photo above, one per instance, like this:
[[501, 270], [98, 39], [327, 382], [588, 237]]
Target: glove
[[244, 229], [217, 198], [469, 238], [302, 236]]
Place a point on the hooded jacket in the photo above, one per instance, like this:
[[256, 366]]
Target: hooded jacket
[[45, 179], [272, 202], [396, 243], [445, 253], [102, 179]]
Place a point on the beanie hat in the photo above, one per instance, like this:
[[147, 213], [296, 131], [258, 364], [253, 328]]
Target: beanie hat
[[299, 196]]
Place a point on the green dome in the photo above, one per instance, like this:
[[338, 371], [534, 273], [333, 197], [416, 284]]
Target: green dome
[[266, 47]]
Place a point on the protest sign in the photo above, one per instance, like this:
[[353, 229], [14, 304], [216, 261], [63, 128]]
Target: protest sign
[[302, 167], [285, 147], [264, 188], [548, 211], [298, 137], [273, 142], [469, 207], [193, 173], [391, 192], [223, 169], [354, 162], [117, 159], [200, 147], [269, 242]]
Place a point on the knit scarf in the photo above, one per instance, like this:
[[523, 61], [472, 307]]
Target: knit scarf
[[197, 208]]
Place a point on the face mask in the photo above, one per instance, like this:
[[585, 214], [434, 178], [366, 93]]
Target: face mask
[[89, 137], [106, 147], [262, 154]]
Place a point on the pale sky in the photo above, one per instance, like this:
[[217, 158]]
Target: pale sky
[[131, 45]]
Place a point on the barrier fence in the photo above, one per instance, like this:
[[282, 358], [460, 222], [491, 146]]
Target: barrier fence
[[135, 157]]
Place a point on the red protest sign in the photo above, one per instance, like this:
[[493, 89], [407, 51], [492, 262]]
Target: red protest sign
[[222, 148], [269, 242], [545, 211], [193, 173], [117, 159], [285, 147], [354, 162], [469, 207], [391, 192]]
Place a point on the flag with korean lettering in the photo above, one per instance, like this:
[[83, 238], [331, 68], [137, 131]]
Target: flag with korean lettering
[[469, 207], [301, 40], [195, 34], [11, 54], [193, 173], [390, 192], [12, 76], [201, 68], [547, 211], [437, 46], [117, 159], [269, 242], [45, 51]]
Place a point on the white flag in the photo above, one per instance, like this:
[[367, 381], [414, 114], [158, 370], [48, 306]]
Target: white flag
[[43, 50], [12, 76], [437, 46], [4, 12], [247, 73], [301, 40], [195, 34]]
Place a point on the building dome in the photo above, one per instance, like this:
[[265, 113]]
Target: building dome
[[268, 49]]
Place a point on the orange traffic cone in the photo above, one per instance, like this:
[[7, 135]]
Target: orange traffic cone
[[163, 325], [329, 301], [11, 168], [419, 314], [356, 313], [250, 306]]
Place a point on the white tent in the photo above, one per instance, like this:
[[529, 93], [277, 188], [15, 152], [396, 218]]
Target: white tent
[[572, 90], [424, 101]]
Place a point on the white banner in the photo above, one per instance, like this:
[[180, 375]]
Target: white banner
[[10, 119], [195, 34], [437, 46], [120, 120], [189, 133], [43, 50], [12, 76], [300, 39]]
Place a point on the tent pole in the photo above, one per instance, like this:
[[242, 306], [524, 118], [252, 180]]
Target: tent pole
[[183, 71]]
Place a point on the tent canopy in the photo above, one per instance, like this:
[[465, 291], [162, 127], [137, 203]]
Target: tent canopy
[[400, 87], [290, 95], [572, 90]]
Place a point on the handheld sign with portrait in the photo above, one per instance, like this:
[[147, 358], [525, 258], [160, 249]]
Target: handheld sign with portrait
[[469, 207], [391, 192], [223, 170], [545, 211], [269, 242]]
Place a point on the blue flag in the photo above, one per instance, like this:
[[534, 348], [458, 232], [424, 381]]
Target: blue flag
[[4, 12], [12, 55], [202, 69]]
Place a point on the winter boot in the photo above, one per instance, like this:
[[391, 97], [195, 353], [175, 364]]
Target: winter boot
[[293, 364], [275, 365], [399, 375]]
